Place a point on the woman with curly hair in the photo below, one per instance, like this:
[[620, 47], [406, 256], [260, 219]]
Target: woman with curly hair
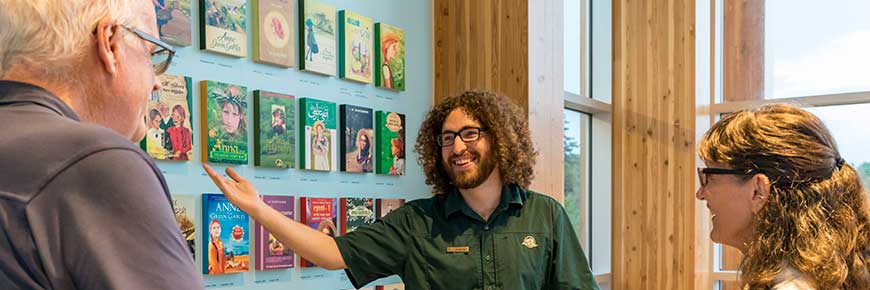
[[779, 191], [481, 221]]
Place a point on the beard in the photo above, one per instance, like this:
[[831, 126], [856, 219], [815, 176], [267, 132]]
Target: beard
[[474, 177]]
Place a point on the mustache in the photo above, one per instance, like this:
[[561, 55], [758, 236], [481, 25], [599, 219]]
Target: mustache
[[453, 157]]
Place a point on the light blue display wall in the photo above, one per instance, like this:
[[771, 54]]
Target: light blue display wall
[[188, 178]]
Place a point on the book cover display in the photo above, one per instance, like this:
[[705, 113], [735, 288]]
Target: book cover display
[[356, 55], [317, 36], [319, 214], [275, 131], [390, 134], [170, 135], [224, 109], [173, 21], [356, 213], [318, 139], [185, 214], [225, 240], [387, 205], [390, 55], [357, 146], [272, 30], [270, 253], [223, 27], [396, 286]]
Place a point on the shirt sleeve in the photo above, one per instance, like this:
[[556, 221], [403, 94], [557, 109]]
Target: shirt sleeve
[[378, 250], [568, 269], [108, 222]]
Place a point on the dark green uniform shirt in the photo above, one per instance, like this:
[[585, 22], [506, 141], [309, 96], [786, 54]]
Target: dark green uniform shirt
[[440, 243]]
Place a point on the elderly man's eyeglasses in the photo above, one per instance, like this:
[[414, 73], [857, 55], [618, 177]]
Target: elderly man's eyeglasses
[[703, 172], [160, 57], [469, 134]]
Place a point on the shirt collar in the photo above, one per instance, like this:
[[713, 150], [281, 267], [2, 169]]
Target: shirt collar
[[510, 195], [17, 93]]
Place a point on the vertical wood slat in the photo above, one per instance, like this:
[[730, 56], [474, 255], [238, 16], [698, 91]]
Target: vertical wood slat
[[743, 50], [653, 139]]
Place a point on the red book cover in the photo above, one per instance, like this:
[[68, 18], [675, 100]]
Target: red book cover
[[320, 214]]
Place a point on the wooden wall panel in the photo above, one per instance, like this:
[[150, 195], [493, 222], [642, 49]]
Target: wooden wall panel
[[653, 144], [743, 50]]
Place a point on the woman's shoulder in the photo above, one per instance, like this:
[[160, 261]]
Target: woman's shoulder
[[792, 279]]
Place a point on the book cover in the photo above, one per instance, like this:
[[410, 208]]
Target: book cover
[[390, 55], [356, 213], [168, 117], [390, 133], [317, 135], [396, 286], [185, 213], [357, 148], [272, 30], [387, 205], [225, 247], [275, 131], [356, 33], [270, 253], [319, 214], [224, 109], [173, 21], [317, 32], [223, 27]]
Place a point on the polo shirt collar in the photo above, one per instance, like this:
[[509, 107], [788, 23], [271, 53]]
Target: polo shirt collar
[[17, 93], [511, 195]]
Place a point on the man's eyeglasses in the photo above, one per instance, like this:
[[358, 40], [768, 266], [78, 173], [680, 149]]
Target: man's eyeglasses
[[703, 172], [162, 56], [469, 134]]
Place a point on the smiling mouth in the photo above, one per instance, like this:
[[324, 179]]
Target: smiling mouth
[[463, 162]]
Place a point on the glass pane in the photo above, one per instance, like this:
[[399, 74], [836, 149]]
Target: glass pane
[[814, 48], [576, 145], [604, 285], [848, 124], [571, 46]]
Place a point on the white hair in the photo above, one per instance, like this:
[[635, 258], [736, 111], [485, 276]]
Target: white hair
[[50, 36]]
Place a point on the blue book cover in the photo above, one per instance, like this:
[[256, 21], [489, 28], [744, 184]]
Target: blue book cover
[[225, 236]]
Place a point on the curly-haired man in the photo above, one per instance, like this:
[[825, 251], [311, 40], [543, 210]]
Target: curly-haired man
[[482, 229]]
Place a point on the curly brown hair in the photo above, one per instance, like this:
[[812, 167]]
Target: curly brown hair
[[504, 123], [817, 219]]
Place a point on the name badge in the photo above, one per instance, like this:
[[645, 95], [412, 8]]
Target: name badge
[[458, 250]]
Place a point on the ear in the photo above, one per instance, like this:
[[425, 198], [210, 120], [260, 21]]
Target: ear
[[761, 193], [108, 44]]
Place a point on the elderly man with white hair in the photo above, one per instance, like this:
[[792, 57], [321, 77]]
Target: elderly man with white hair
[[81, 206]]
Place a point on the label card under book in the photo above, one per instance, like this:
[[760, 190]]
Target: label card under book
[[214, 281], [273, 276]]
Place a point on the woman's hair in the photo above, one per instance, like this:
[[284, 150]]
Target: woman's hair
[[153, 114], [240, 109], [506, 128], [816, 217], [180, 110]]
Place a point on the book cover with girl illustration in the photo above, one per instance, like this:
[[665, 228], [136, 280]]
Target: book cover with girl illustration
[[356, 48], [224, 110], [390, 133], [317, 33], [320, 214], [390, 55], [273, 32], [223, 27], [317, 137], [169, 135], [358, 144], [225, 238], [270, 252], [275, 132]]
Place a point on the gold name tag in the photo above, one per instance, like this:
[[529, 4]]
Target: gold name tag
[[458, 249]]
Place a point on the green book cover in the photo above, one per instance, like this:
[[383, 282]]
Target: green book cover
[[272, 31], [390, 149], [224, 110], [317, 135], [390, 55], [317, 32], [275, 132], [169, 121], [173, 21], [356, 57], [223, 27], [356, 212]]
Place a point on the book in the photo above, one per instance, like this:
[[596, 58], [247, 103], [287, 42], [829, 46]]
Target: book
[[396, 286], [185, 213], [319, 214], [270, 253], [226, 241], [390, 134], [223, 27], [272, 30], [173, 21], [385, 206], [168, 117], [357, 127], [356, 213], [317, 32], [355, 40], [224, 110], [317, 137], [275, 131], [390, 56]]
